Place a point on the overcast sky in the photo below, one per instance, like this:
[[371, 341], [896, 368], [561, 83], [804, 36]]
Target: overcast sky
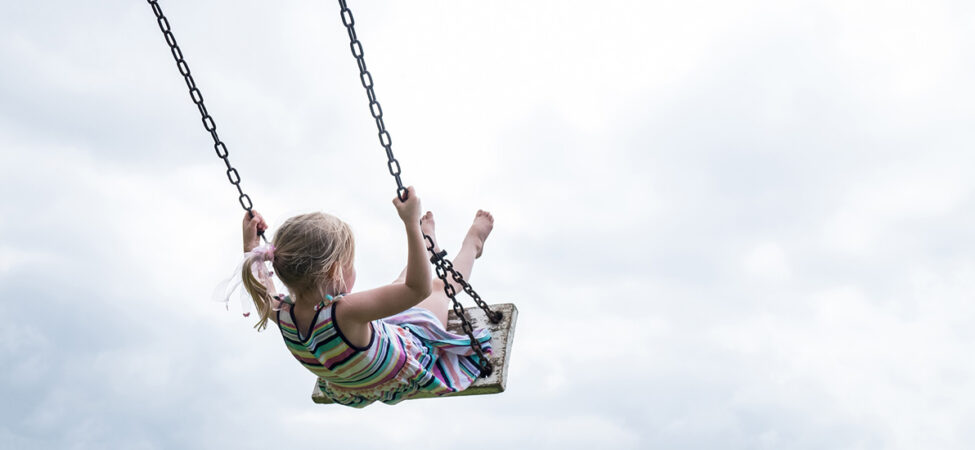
[[735, 225]]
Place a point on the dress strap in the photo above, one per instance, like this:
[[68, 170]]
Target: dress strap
[[328, 301], [281, 302]]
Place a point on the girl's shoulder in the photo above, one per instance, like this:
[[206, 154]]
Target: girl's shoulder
[[357, 334], [280, 303]]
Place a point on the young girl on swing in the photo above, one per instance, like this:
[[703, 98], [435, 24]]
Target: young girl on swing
[[383, 344]]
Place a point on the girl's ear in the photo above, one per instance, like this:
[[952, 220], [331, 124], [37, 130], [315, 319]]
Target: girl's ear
[[332, 277], [337, 281]]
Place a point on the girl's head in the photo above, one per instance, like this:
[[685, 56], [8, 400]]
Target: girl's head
[[313, 254]]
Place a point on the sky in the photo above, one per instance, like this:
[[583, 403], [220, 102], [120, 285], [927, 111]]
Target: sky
[[736, 225]]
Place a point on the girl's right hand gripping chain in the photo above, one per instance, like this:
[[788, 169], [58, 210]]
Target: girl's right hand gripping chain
[[409, 210]]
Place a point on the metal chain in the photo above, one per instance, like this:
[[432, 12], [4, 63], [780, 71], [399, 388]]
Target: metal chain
[[443, 265], [184, 69], [377, 111]]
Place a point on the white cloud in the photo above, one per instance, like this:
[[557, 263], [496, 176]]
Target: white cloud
[[12, 258], [885, 201], [767, 261]]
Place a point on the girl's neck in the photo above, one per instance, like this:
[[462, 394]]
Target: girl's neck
[[310, 299]]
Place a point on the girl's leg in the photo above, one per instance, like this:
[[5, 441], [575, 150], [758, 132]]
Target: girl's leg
[[473, 245], [438, 303]]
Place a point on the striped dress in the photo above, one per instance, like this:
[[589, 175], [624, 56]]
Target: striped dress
[[408, 353]]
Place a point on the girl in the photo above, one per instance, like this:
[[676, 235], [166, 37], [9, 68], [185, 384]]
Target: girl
[[384, 344]]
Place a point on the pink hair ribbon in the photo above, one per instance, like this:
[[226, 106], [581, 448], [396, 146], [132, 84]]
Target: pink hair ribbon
[[226, 288]]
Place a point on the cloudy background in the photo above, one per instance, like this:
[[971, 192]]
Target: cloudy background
[[727, 225]]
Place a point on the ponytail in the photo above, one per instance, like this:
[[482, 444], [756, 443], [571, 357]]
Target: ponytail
[[256, 279]]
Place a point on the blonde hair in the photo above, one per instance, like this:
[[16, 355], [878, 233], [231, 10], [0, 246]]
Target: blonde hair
[[310, 252]]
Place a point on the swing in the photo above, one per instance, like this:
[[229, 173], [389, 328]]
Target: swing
[[500, 319]]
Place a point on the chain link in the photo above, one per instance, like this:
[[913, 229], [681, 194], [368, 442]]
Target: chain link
[[184, 69], [443, 265]]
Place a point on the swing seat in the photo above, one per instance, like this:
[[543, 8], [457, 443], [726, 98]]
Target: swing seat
[[502, 334]]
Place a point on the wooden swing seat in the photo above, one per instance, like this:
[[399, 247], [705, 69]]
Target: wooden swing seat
[[502, 334]]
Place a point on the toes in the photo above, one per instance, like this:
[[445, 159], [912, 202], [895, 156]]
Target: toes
[[485, 214]]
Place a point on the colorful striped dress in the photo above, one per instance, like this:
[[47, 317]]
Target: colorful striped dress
[[408, 353]]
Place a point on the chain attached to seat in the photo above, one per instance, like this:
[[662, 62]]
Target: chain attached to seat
[[443, 265]]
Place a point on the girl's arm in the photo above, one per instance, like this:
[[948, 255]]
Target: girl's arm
[[366, 306], [417, 265]]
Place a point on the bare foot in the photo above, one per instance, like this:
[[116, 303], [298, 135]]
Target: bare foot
[[428, 227], [483, 224]]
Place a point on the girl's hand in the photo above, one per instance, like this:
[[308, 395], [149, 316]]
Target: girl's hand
[[251, 226], [409, 211]]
